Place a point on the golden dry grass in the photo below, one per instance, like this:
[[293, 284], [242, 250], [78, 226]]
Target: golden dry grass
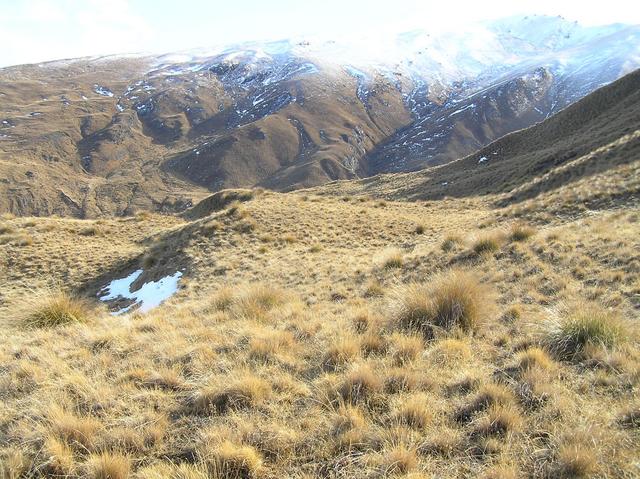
[[392, 258], [447, 302], [520, 232], [108, 466], [279, 359], [579, 327], [487, 244], [54, 308]]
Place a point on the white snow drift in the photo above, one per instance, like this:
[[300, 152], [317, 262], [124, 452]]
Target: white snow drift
[[147, 297]]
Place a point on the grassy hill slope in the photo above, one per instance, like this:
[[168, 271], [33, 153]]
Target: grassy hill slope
[[599, 132], [328, 333]]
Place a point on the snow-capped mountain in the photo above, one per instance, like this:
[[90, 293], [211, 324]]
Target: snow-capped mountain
[[543, 65], [153, 131]]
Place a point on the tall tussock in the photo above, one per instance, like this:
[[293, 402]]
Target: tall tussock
[[254, 301], [235, 461], [54, 308], [449, 301], [577, 328]]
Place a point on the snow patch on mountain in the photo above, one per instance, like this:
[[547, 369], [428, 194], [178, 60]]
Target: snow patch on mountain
[[101, 90]]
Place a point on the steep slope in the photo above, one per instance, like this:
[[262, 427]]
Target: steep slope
[[570, 63], [113, 135], [598, 133], [67, 149], [318, 334], [78, 148]]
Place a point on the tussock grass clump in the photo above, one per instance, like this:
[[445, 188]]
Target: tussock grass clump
[[449, 243], [373, 289], [127, 440], [450, 350], [263, 297], [413, 412], [246, 392], [55, 308], [342, 352], [499, 421], [211, 227], [236, 209], [274, 440], [485, 447], [349, 428], [108, 466], [254, 301], [490, 395], [76, 431], [406, 348], [60, 461], [247, 225], [577, 328], [513, 313], [400, 380], [463, 385], [230, 460], [399, 460], [487, 244], [224, 299], [392, 258], [13, 464], [270, 346], [534, 388], [360, 385], [534, 358], [574, 461], [450, 301], [445, 442], [372, 342], [364, 320], [348, 418], [521, 232]]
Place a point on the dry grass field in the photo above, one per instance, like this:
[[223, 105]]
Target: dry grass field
[[320, 334]]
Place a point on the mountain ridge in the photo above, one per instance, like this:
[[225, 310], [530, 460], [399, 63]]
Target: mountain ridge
[[600, 132], [112, 135]]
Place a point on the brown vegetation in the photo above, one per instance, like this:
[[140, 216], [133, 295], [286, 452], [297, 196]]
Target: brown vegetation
[[281, 359]]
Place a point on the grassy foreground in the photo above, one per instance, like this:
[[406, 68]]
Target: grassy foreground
[[325, 336]]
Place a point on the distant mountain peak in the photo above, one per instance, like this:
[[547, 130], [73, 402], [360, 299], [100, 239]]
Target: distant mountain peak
[[287, 114]]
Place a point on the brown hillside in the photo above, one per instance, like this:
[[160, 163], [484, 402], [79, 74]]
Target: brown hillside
[[316, 336], [600, 132]]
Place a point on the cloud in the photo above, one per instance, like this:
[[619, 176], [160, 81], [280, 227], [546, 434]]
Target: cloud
[[71, 28], [41, 11], [39, 30]]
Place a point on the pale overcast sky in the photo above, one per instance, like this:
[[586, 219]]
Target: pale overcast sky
[[40, 30]]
